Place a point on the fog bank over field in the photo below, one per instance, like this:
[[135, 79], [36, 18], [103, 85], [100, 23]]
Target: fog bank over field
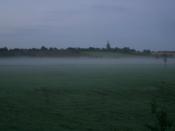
[[82, 61]]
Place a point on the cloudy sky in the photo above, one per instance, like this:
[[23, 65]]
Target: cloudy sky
[[140, 24]]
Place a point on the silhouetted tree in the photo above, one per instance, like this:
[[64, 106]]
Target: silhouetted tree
[[43, 48], [146, 51], [108, 46], [4, 49]]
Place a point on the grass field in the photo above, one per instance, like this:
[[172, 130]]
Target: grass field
[[83, 97]]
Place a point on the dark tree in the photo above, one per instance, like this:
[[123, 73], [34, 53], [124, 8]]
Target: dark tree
[[146, 51], [43, 48], [108, 46], [4, 49]]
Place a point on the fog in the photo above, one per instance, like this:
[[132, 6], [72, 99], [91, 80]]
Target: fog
[[81, 61]]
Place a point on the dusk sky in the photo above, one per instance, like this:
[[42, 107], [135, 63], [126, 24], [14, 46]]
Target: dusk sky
[[140, 24]]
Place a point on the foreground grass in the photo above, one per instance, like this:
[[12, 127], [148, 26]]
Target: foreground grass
[[83, 97]]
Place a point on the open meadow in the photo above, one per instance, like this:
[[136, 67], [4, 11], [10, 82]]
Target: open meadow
[[84, 94]]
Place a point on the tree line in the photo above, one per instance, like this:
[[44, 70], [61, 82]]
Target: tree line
[[70, 51]]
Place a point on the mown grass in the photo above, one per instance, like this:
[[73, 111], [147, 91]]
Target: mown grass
[[84, 97]]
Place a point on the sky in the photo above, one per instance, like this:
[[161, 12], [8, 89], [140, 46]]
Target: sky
[[139, 24]]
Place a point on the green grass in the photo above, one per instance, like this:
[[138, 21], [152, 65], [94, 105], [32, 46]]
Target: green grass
[[83, 97]]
